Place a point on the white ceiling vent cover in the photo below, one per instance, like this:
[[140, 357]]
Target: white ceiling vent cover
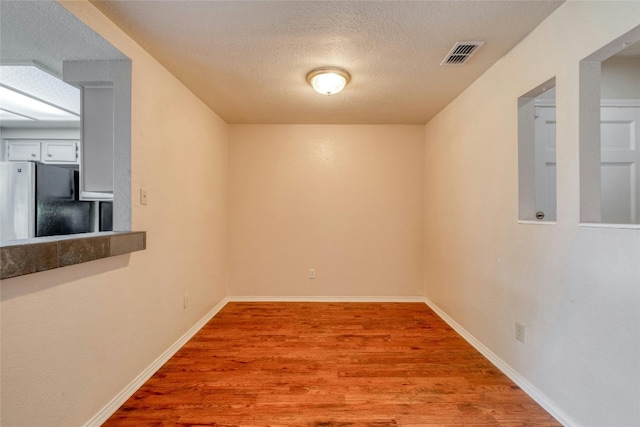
[[461, 52]]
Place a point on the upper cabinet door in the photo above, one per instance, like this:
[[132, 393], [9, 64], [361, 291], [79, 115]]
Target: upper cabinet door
[[18, 151], [60, 152], [97, 142]]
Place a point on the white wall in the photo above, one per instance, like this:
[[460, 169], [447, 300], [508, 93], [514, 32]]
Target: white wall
[[36, 133], [345, 200], [575, 288], [74, 337]]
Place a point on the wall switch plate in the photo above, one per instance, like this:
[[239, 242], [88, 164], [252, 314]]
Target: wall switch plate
[[312, 273], [185, 302], [519, 332], [143, 196]]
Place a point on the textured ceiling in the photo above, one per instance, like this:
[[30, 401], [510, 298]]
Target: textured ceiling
[[248, 60], [45, 32]]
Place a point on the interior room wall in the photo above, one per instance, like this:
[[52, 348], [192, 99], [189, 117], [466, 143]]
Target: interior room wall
[[620, 78], [343, 200], [74, 337], [576, 289]]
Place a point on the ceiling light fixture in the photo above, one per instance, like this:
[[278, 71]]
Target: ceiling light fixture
[[28, 92], [31, 108], [328, 80]]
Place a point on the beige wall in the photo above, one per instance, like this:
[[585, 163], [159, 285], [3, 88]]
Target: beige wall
[[361, 205], [344, 200], [620, 78], [575, 288], [74, 337]]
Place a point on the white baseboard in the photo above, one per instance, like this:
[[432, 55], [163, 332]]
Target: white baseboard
[[540, 398], [323, 299], [130, 389]]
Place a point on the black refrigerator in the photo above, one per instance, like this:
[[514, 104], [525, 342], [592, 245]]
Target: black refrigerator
[[58, 210]]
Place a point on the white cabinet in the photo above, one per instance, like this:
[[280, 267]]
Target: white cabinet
[[59, 152], [23, 150], [97, 142], [46, 151]]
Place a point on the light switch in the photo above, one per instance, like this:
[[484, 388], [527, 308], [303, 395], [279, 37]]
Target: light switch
[[143, 196]]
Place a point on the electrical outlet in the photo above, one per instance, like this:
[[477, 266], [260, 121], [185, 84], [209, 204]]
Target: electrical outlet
[[185, 302], [312, 273], [519, 332]]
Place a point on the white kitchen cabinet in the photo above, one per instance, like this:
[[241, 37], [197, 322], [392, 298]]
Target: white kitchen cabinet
[[97, 142], [59, 152], [19, 151]]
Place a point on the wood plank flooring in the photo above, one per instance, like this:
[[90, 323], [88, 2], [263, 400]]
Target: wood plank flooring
[[328, 364]]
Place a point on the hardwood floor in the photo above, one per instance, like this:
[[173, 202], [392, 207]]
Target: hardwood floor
[[328, 364]]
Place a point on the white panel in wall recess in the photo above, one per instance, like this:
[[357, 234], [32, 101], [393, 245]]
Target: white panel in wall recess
[[618, 193], [617, 134], [620, 157]]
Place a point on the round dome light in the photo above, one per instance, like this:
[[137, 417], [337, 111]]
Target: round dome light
[[328, 80]]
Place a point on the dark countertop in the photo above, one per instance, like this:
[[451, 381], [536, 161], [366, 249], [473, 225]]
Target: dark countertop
[[20, 257]]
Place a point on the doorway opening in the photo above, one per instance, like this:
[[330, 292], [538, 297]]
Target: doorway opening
[[537, 170], [610, 133]]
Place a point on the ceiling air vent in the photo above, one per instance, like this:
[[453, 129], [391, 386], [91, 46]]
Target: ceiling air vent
[[461, 52]]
